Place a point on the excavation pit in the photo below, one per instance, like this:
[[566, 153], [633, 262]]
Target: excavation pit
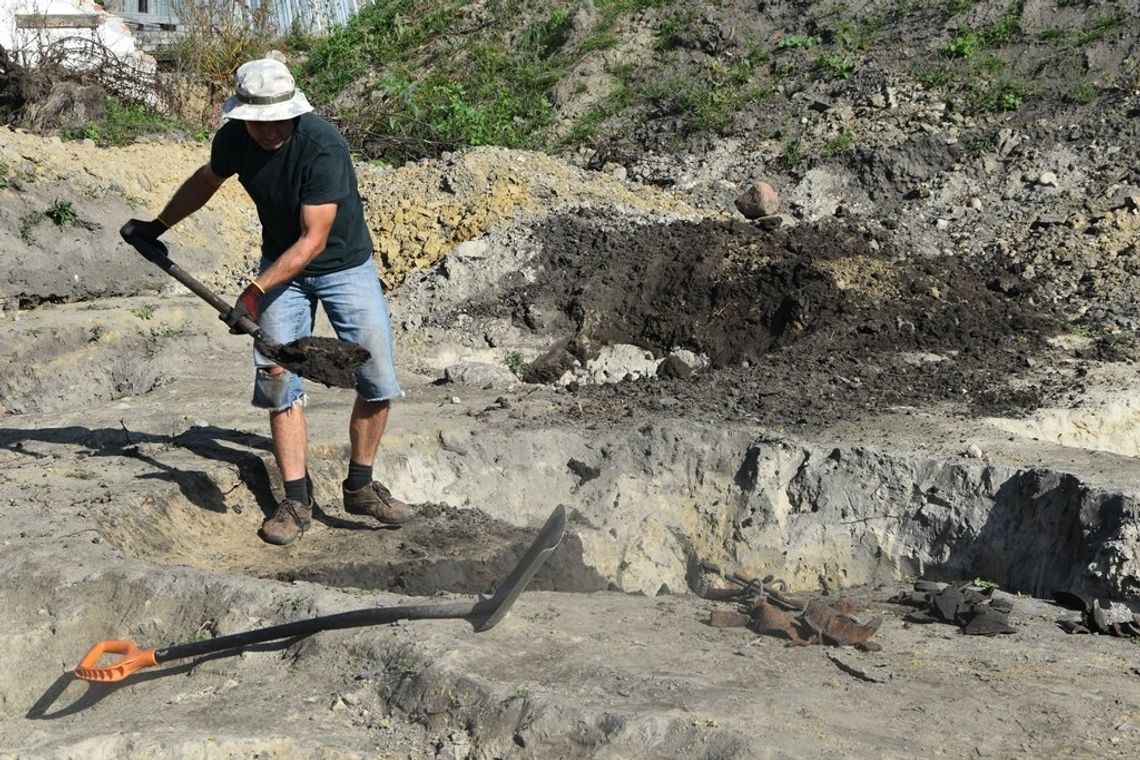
[[653, 509]]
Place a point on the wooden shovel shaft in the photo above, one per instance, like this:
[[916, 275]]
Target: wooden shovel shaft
[[155, 252]]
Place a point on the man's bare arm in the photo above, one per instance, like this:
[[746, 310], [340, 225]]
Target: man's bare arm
[[316, 222]]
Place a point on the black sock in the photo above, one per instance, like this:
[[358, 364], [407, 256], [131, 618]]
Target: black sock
[[297, 490], [359, 476]]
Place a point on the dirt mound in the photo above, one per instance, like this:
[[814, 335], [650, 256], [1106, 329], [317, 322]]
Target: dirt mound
[[736, 292], [809, 322]]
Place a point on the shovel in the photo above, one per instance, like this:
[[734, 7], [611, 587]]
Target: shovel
[[484, 614], [326, 360]]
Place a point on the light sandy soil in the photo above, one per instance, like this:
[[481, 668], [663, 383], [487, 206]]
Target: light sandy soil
[[135, 475]]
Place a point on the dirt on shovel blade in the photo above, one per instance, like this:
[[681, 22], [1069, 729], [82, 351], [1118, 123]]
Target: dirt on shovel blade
[[326, 360]]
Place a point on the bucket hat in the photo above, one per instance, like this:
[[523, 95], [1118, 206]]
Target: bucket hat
[[264, 90]]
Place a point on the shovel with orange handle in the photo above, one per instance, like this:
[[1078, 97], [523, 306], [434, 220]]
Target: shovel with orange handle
[[484, 613]]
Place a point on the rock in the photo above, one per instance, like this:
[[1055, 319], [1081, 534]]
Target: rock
[[550, 366], [480, 375], [617, 362], [757, 201], [674, 367]]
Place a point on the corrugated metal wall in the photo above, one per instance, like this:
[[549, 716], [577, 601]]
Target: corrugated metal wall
[[305, 16], [309, 17]]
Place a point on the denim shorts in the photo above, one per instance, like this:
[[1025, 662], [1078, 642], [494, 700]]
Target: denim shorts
[[354, 303]]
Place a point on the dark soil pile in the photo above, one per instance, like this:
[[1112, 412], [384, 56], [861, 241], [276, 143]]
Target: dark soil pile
[[801, 324]]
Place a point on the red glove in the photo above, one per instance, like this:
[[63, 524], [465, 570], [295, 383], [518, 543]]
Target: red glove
[[248, 304]]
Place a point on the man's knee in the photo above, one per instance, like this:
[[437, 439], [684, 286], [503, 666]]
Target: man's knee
[[276, 389]]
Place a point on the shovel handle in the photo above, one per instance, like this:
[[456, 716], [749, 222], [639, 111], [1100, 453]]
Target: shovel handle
[[156, 252], [133, 659]]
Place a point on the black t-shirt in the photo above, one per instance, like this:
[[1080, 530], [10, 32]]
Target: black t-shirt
[[313, 168]]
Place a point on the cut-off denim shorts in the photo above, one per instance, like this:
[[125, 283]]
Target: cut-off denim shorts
[[354, 303]]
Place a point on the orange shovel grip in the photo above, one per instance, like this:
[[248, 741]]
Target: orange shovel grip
[[133, 659]]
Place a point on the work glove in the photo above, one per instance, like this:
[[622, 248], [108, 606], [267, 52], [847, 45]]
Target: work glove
[[248, 304], [138, 228]]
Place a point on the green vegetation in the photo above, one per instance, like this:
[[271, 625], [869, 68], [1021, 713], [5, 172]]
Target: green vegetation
[[934, 76], [963, 44], [793, 153], [123, 124], [989, 97], [841, 143], [955, 7], [1100, 28], [220, 36], [1083, 92], [705, 100], [515, 363], [61, 213], [973, 72], [489, 91], [838, 64], [28, 223], [408, 80], [791, 41], [968, 41], [143, 312]]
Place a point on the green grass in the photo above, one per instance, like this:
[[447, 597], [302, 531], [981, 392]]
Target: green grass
[[837, 64], [934, 76], [1083, 92], [28, 224], [1101, 27], [793, 153], [841, 143], [705, 100], [994, 97], [493, 89], [123, 124]]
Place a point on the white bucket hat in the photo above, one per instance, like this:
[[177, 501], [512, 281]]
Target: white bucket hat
[[264, 91]]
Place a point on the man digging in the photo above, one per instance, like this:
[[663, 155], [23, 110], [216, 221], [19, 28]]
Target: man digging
[[315, 248]]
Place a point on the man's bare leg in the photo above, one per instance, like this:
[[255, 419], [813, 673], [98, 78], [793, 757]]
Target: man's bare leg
[[295, 512], [362, 494], [366, 428], [290, 439]]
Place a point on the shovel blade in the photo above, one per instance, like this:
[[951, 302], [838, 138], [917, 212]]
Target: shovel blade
[[545, 542]]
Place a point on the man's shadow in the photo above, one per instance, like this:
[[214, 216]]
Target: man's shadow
[[226, 445]]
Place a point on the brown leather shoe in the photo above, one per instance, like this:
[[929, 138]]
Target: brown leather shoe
[[288, 523], [375, 500]]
